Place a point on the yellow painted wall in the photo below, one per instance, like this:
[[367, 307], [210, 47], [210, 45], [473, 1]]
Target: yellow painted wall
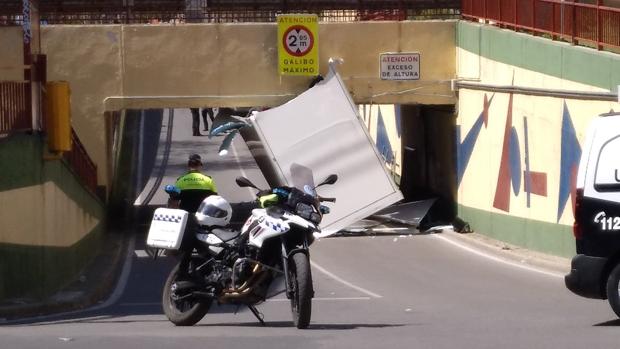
[[211, 60], [47, 202]]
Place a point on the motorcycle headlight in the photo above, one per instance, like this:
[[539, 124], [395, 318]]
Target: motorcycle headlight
[[304, 210], [315, 218]]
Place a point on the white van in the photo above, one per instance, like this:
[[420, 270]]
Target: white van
[[595, 270]]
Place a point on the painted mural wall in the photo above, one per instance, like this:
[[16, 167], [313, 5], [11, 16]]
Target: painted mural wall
[[383, 124], [518, 154]]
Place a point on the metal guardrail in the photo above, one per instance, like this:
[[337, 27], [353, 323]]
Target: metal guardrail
[[575, 22], [219, 11], [81, 163], [15, 105]]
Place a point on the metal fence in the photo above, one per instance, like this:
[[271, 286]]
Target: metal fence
[[15, 107], [16, 116], [218, 11], [583, 23], [81, 163]]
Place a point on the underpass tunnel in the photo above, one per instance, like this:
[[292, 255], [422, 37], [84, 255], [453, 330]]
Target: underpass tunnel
[[149, 148], [417, 142], [429, 158]]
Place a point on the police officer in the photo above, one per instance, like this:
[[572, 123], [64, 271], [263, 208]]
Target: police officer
[[194, 186]]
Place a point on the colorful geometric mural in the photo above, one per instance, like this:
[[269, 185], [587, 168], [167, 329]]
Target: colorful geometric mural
[[569, 162], [383, 140], [510, 167], [466, 148], [535, 182], [510, 172]]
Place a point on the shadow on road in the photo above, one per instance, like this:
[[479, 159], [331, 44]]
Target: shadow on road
[[609, 323]]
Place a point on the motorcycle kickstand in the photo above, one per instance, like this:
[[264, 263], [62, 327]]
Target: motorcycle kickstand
[[258, 314]]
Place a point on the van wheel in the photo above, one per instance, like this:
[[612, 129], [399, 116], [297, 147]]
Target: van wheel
[[613, 289]]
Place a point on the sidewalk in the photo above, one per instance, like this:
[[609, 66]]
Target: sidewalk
[[513, 253], [94, 284]]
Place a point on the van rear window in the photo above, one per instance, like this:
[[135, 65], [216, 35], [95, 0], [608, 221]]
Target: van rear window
[[607, 177]]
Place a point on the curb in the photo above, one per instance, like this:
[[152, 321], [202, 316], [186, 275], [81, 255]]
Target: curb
[[512, 253], [477, 241], [92, 286]]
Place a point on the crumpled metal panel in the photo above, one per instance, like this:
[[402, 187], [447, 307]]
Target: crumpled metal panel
[[320, 133]]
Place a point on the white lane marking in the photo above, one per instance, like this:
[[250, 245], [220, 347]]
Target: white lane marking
[[497, 259], [141, 253], [344, 282], [325, 299]]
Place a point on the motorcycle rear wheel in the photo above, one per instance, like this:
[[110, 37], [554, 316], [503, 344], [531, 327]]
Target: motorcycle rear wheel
[[182, 312], [301, 282]]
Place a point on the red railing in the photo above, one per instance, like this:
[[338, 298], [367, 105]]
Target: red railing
[[15, 107], [15, 116], [81, 163], [216, 11], [566, 20]]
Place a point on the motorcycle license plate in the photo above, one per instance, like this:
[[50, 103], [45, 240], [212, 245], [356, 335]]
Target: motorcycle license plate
[[167, 228]]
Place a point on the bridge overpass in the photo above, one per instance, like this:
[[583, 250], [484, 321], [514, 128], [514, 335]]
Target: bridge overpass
[[493, 109]]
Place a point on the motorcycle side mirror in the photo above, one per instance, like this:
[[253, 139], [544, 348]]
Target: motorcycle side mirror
[[244, 182], [331, 179]]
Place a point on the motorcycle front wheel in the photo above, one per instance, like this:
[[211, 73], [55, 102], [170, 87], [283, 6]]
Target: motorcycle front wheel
[[301, 282], [181, 308]]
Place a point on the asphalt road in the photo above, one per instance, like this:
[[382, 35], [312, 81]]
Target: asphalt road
[[415, 291], [171, 162], [388, 291]]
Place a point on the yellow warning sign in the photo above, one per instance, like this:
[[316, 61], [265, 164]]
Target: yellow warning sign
[[298, 44]]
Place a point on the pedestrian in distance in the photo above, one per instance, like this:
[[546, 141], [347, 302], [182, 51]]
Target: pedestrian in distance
[[195, 121], [207, 112]]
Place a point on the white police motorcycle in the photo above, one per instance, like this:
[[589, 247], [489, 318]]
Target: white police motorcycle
[[231, 267]]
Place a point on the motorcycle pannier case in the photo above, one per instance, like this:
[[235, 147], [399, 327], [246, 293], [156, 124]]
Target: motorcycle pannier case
[[167, 228]]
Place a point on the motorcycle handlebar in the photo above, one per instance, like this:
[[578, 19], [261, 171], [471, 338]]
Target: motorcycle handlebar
[[327, 199]]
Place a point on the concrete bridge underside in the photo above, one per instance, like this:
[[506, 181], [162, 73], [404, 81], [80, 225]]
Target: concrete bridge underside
[[115, 67]]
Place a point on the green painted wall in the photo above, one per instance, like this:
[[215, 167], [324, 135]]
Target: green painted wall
[[36, 271], [545, 237], [21, 160], [561, 60]]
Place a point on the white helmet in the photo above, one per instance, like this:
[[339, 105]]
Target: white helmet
[[214, 211]]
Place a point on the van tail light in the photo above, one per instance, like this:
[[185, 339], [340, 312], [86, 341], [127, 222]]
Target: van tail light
[[577, 226]]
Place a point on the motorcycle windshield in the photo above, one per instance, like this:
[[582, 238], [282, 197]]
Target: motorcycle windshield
[[303, 178]]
